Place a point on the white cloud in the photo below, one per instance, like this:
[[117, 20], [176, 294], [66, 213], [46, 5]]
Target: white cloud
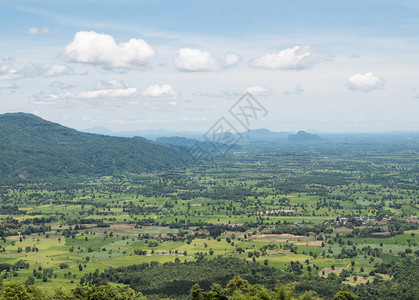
[[58, 70], [164, 90], [299, 90], [195, 60], [7, 85], [257, 90], [101, 49], [295, 58], [366, 82], [232, 59], [109, 93]]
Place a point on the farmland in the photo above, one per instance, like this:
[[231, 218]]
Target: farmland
[[317, 210]]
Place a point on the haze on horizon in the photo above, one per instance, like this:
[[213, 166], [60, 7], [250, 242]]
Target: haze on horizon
[[180, 65]]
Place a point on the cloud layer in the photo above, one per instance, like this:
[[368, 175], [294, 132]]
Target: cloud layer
[[101, 49], [365, 82], [295, 58]]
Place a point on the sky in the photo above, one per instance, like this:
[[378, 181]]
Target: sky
[[319, 66]]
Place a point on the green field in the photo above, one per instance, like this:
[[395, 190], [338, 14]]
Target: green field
[[346, 214]]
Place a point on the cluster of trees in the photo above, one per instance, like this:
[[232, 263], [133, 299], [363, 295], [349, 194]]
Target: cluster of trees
[[17, 291], [240, 289], [176, 280]]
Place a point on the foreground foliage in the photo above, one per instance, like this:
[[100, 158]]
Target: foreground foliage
[[178, 279], [17, 291]]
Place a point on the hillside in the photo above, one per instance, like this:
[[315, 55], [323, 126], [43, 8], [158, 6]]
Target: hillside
[[32, 148]]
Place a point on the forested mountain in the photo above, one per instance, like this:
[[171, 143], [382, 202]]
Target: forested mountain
[[32, 148]]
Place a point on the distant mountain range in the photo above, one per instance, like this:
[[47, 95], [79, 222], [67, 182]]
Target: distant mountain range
[[263, 135], [32, 148], [151, 134], [257, 135], [303, 136], [181, 140]]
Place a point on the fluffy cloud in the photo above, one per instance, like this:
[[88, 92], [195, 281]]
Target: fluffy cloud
[[109, 93], [109, 89], [299, 90], [195, 60], [365, 82], [101, 49], [232, 59], [258, 91], [295, 58], [7, 85], [164, 90], [112, 92], [58, 70]]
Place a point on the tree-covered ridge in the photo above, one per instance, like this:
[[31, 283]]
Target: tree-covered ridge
[[32, 148]]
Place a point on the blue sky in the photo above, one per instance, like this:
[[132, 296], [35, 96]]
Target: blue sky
[[330, 66]]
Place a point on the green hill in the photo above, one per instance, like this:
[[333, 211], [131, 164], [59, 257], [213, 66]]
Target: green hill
[[32, 149]]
